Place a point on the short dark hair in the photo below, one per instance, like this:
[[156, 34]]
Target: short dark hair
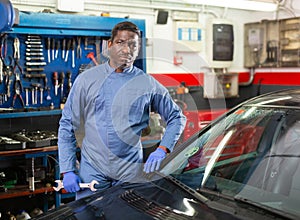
[[124, 26]]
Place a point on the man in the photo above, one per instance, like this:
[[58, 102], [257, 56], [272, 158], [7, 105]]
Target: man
[[111, 104]]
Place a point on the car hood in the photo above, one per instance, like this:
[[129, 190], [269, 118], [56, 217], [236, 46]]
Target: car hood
[[153, 200]]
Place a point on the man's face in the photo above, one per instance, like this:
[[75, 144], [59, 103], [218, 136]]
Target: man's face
[[124, 49]]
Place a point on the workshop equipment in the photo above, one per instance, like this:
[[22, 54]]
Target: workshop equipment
[[17, 48], [57, 48], [18, 90], [92, 57], [36, 87], [62, 80], [69, 85], [3, 46], [48, 49], [36, 139], [67, 49], [73, 53], [36, 45], [91, 185], [55, 80], [79, 50]]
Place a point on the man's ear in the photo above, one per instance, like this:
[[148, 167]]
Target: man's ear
[[109, 43]]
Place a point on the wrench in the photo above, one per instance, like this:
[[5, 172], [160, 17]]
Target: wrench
[[82, 185]]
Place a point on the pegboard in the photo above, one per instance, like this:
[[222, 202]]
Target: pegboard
[[47, 52]]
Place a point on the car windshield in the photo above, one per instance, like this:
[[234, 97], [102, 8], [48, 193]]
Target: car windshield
[[250, 155]]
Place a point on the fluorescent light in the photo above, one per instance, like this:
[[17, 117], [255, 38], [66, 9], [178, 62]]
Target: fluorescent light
[[237, 4]]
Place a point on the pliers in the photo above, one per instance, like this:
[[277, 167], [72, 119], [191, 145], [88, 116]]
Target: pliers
[[17, 48], [18, 90], [3, 46], [79, 51], [18, 84]]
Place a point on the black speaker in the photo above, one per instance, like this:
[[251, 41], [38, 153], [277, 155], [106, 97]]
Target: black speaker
[[162, 17]]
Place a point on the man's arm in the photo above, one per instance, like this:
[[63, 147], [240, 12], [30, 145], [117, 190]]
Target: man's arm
[[68, 124], [175, 123]]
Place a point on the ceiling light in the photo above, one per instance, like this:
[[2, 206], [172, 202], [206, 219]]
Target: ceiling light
[[237, 4]]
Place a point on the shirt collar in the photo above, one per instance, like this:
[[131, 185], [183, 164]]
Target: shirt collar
[[111, 70]]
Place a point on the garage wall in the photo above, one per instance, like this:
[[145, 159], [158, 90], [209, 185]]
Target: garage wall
[[160, 44], [160, 49]]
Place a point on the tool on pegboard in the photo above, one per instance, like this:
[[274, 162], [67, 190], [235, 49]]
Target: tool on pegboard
[[55, 81]]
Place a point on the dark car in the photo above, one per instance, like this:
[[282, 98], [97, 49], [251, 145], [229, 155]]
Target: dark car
[[243, 165]]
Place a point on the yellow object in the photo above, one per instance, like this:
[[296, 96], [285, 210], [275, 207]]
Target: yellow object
[[105, 14]]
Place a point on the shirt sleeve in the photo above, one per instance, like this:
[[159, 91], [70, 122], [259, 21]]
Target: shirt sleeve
[[69, 123], [164, 104]]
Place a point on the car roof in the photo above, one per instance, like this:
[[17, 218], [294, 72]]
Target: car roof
[[289, 98]]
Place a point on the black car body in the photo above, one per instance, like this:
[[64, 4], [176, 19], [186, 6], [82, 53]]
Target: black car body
[[244, 165]]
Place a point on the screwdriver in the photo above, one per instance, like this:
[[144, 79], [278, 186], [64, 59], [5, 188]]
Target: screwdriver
[[48, 49], [55, 78], [62, 79]]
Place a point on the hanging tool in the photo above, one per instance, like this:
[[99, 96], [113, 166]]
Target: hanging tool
[[32, 97], [86, 43], [17, 48], [41, 95], [26, 97], [53, 48], [48, 49], [34, 37], [63, 48], [67, 50], [18, 90], [79, 51], [69, 85], [34, 50], [34, 54], [36, 63], [9, 81], [55, 79], [92, 57], [34, 42], [36, 87], [39, 76], [3, 46], [34, 46], [34, 58], [73, 53], [57, 48], [48, 94], [34, 69], [62, 80]]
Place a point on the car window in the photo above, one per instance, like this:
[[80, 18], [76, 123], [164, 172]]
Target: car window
[[250, 154]]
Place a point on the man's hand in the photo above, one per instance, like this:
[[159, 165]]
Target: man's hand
[[154, 160], [71, 182]]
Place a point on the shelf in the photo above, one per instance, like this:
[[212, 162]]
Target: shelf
[[23, 190], [39, 151], [9, 114]]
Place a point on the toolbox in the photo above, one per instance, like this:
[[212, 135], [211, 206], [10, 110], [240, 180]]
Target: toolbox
[[7, 143]]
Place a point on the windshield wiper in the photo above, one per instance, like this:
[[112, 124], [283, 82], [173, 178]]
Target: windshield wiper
[[182, 186], [269, 209]]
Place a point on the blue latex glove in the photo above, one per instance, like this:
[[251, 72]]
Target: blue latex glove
[[71, 182], [154, 160]]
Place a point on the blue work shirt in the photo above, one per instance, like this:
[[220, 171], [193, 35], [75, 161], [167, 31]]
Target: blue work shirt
[[110, 110]]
